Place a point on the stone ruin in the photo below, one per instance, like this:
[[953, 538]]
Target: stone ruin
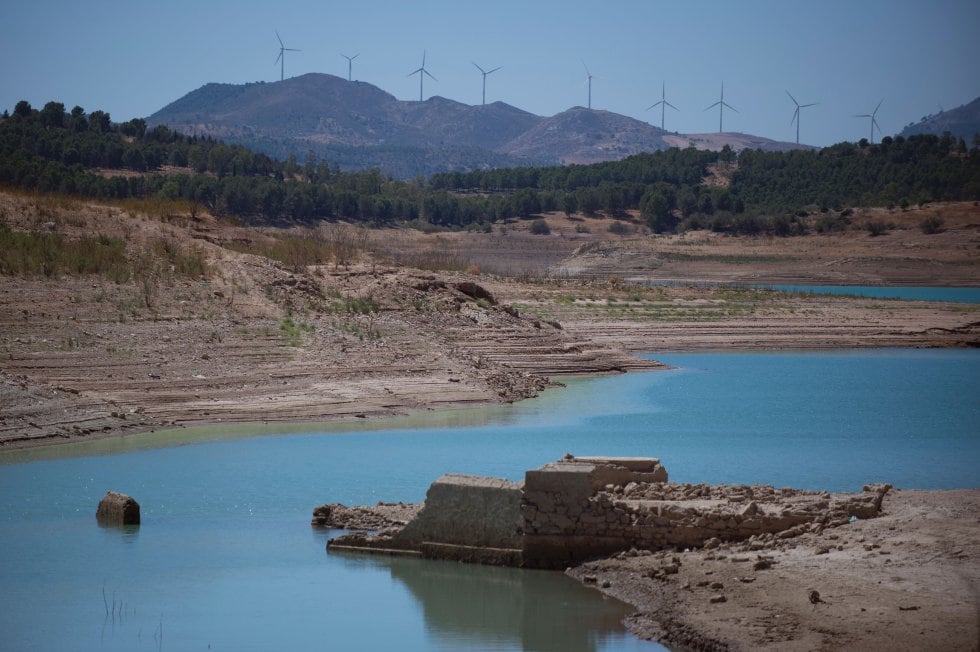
[[580, 508], [118, 509]]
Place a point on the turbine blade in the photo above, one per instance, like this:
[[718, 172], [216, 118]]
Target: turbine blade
[[877, 107], [730, 107], [656, 104], [803, 106], [281, 44], [355, 56], [423, 58], [671, 105], [863, 115], [495, 69], [713, 105], [414, 72], [277, 58], [429, 74], [792, 98], [796, 115], [586, 69], [478, 67]]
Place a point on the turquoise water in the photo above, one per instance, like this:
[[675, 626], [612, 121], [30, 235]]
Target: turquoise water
[[911, 293], [225, 556]]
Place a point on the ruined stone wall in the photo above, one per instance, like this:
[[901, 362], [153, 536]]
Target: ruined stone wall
[[567, 518], [580, 508], [469, 511]]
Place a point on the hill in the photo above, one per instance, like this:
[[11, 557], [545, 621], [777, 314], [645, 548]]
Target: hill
[[734, 139], [581, 135], [359, 126], [961, 122]]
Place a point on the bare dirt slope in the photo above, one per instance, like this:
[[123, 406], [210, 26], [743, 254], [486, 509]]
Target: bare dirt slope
[[907, 580], [254, 339], [380, 324]]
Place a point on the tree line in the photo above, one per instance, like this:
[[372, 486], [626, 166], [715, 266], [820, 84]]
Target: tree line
[[74, 152]]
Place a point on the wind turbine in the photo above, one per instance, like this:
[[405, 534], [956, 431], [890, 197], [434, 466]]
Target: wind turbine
[[796, 114], [485, 73], [281, 59], [663, 104], [721, 104], [874, 122], [421, 71], [350, 61], [590, 82]]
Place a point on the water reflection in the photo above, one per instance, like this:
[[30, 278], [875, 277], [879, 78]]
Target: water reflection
[[467, 606]]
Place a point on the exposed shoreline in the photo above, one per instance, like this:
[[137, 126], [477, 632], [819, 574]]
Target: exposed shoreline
[[908, 579], [903, 575]]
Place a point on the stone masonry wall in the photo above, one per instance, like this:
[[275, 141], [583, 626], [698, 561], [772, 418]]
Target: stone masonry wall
[[568, 519]]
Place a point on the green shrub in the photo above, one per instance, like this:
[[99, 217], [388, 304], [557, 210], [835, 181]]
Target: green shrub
[[540, 227], [620, 228], [932, 225], [877, 227]]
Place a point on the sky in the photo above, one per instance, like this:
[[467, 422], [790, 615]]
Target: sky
[[132, 58]]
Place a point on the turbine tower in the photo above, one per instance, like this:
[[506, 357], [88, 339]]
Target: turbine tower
[[589, 74], [485, 73], [874, 122], [796, 114], [663, 104], [281, 59], [421, 72], [721, 104], [350, 61]]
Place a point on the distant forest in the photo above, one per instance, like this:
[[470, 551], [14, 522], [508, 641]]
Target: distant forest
[[78, 153]]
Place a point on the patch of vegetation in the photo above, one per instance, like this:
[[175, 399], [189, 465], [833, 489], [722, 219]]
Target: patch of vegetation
[[293, 331], [50, 254], [620, 228], [932, 225], [540, 227], [878, 227]]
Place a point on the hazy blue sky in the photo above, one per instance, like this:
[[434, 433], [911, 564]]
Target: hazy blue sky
[[132, 58]]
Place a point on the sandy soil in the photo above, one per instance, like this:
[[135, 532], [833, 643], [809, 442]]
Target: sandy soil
[[907, 580]]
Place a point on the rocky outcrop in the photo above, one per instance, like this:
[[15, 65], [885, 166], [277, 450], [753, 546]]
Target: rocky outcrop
[[379, 517], [118, 509]]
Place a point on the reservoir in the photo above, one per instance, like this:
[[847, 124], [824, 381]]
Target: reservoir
[[908, 293], [226, 558]]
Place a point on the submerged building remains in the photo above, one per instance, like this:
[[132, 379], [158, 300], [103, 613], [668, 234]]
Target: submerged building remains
[[583, 507]]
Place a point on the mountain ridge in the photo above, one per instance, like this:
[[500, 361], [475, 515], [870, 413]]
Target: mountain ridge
[[961, 122], [359, 126]]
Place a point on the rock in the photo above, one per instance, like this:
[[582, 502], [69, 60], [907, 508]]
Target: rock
[[118, 509], [762, 564], [716, 586], [749, 510], [717, 598], [822, 550]]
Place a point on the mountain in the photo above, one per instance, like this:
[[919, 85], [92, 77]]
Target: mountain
[[962, 122], [360, 126]]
